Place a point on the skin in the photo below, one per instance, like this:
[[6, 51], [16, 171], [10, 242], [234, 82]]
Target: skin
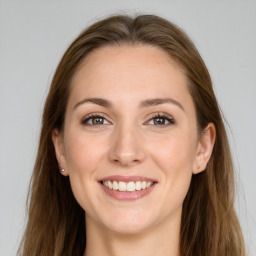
[[129, 141]]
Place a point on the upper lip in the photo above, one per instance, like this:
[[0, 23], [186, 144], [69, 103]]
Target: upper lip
[[126, 178]]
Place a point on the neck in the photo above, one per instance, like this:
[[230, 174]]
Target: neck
[[160, 240]]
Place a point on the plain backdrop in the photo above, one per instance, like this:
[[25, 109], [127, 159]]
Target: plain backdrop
[[35, 34]]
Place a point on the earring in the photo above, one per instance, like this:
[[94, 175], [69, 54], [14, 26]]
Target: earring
[[62, 170]]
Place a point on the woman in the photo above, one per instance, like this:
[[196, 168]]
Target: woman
[[133, 156]]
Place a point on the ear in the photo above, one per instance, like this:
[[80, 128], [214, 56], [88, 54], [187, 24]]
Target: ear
[[204, 148], [58, 142]]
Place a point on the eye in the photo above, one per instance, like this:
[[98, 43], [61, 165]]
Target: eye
[[161, 120], [94, 119]]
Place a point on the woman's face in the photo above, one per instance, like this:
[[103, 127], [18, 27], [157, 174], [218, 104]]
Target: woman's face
[[130, 123]]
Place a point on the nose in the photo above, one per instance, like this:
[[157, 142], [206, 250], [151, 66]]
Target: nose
[[127, 147]]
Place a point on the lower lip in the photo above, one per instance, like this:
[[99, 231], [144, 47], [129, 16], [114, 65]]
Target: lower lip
[[119, 195]]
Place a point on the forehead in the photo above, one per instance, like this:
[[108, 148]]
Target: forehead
[[127, 73], [140, 56]]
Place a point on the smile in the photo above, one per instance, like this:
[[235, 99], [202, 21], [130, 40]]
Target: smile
[[127, 186]]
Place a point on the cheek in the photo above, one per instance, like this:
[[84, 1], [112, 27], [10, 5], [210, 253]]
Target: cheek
[[83, 153], [83, 156], [175, 154], [175, 157]]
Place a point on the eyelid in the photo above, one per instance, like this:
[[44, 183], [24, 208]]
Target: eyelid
[[162, 115], [94, 115]]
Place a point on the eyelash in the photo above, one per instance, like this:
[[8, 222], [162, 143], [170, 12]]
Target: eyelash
[[164, 116], [155, 116], [92, 116]]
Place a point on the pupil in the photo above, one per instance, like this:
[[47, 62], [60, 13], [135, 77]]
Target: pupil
[[97, 120], [159, 121]]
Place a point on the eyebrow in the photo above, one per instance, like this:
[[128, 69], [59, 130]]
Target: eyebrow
[[146, 103]]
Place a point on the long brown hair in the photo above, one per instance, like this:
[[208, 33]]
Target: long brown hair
[[56, 223]]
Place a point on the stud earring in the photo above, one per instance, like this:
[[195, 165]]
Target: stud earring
[[62, 170]]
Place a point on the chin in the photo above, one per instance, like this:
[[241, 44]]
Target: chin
[[128, 223], [127, 228]]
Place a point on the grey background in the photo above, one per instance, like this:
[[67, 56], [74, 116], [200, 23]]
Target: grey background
[[33, 37]]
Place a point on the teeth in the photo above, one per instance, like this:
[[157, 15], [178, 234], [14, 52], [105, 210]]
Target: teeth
[[122, 186], [138, 185], [115, 185], [130, 186], [149, 184], [127, 186], [110, 185]]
